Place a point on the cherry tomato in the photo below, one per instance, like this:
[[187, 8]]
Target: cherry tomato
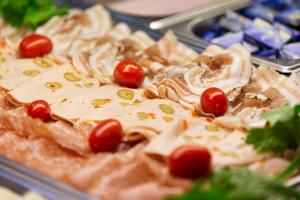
[[106, 136], [39, 109], [190, 161], [35, 45], [214, 101], [129, 74]]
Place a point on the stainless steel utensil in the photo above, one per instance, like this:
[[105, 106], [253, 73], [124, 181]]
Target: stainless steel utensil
[[209, 11]]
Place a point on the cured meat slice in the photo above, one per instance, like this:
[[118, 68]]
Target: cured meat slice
[[101, 165], [61, 133], [96, 22], [146, 190], [269, 167], [141, 119], [133, 174], [278, 88], [62, 30], [185, 85], [40, 154], [55, 85], [16, 72], [7, 53], [172, 50], [228, 148], [107, 99]]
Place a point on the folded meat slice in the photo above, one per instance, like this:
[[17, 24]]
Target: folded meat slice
[[7, 52], [39, 154], [228, 148], [12, 35], [59, 132], [57, 84], [16, 72], [103, 60], [296, 77], [229, 70], [278, 88], [269, 167], [101, 165], [146, 190], [120, 31], [107, 97], [62, 30], [172, 50], [96, 22], [141, 119], [135, 173]]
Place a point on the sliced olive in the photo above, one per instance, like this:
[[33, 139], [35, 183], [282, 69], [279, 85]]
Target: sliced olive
[[53, 85], [166, 109], [43, 62], [31, 72], [126, 94], [142, 115], [212, 128], [71, 77], [168, 119]]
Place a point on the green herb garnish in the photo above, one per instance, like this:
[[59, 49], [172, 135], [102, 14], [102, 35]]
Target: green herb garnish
[[282, 133], [239, 184], [30, 13]]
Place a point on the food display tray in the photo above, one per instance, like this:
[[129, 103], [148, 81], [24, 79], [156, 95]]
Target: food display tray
[[205, 20], [21, 179]]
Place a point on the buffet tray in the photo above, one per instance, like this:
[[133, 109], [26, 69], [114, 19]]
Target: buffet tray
[[184, 26], [21, 179]]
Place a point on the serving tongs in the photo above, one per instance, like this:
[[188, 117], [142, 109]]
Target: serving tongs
[[211, 10]]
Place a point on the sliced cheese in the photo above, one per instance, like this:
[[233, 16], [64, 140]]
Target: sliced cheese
[[16, 72], [55, 85]]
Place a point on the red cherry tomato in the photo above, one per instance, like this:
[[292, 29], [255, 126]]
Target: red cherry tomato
[[39, 109], [35, 45], [190, 161], [106, 136], [214, 101], [129, 74]]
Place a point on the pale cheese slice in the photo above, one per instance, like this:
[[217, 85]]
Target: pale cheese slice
[[55, 85], [103, 100], [16, 72]]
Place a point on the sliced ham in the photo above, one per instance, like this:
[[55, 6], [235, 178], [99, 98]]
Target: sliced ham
[[39, 154], [59, 132]]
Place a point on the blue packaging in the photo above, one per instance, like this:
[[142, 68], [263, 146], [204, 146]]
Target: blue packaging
[[229, 39], [290, 17], [290, 51], [234, 22], [259, 11], [267, 35]]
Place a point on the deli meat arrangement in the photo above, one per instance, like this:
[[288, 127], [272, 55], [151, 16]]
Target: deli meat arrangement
[[118, 115]]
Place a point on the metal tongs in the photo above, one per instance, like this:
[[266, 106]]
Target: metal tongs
[[213, 9]]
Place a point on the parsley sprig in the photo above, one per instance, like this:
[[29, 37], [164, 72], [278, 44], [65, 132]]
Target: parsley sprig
[[238, 184], [282, 133], [30, 13]]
